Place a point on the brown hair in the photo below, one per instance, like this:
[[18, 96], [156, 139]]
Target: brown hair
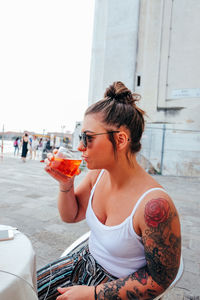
[[118, 108]]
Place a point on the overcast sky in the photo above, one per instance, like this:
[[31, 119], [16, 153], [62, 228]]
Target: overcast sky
[[45, 52]]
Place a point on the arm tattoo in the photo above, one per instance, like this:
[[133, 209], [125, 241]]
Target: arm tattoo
[[156, 212], [111, 290], [162, 252], [162, 247]]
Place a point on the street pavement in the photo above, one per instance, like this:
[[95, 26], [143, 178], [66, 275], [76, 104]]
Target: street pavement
[[28, 201]]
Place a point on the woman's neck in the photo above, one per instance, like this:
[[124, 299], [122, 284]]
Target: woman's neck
[[123, 171]]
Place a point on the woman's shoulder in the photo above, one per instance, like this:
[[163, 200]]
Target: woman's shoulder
[[152, 187], [156, 209], [156, 201], [155, 191], [154, 194], [86, 185], [93, 176]]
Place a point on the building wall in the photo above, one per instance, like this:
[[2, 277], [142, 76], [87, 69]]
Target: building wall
[[76, 133], [169, 150], [167, 61], [154, 48], [114, 45]]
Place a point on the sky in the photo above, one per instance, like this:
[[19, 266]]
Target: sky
[[45, 55]]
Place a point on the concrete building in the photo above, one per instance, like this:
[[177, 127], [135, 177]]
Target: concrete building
[[153, 46], [76, 133]]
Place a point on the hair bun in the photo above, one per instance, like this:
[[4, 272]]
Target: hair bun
[[120, 93], [110, 92]]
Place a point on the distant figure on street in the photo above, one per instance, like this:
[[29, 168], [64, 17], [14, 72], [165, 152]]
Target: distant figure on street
[[30, 147], [25, 142], [16, 146], [35, 144], [47, 148], [40, 147]]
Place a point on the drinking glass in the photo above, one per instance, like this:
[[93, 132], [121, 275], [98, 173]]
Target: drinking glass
[[65, 162]]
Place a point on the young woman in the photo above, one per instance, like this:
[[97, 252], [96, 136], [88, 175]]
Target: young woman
[[135, 243], [35, 144], [24, 145]]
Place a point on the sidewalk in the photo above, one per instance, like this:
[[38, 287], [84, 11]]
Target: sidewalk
[[28, 201]]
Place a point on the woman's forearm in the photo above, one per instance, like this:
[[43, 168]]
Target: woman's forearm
[[139, 285], [67, 203]]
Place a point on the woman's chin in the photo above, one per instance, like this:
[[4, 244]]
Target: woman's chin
[[90, 166]]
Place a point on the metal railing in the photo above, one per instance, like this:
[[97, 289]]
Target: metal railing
[[168, 150]]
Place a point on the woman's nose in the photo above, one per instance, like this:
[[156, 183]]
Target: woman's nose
[[81, 147]]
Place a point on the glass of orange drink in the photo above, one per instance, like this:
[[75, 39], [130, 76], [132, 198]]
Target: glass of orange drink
[[65, 163]]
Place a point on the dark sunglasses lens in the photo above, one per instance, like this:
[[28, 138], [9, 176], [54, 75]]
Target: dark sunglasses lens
[[83, 137]]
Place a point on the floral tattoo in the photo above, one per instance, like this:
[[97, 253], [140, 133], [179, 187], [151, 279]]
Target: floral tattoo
[[156, 212]]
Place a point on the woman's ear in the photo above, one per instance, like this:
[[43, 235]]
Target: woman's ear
[[122, 140]]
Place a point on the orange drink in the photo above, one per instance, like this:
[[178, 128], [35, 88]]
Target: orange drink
[[66, 166]]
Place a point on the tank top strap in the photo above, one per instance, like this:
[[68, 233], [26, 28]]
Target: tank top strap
[[93, 188], [142, 197]]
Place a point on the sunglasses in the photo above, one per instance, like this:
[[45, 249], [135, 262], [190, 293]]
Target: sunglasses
[[85, 138]]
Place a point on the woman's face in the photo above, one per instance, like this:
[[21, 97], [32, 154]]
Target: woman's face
[[98, 153]]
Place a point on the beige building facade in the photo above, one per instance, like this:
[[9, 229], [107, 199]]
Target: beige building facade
[[153, 46]]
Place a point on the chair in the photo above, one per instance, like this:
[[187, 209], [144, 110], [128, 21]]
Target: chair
[[81, 241]]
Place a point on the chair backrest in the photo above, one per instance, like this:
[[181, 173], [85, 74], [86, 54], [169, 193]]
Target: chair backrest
[[80, 242]]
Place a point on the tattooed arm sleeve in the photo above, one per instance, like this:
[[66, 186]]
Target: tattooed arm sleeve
[[160, 229]]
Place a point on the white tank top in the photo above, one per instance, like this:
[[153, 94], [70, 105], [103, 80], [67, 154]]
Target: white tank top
[[118, 249]]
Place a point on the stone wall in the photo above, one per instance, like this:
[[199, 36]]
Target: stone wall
[[169, 150]]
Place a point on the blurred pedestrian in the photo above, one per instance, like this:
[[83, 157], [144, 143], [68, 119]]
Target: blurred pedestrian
[[16, 146], [35, 144], [30, 148], [24, 144], [40, 148]]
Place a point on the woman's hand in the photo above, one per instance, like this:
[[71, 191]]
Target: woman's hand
[[65, 181], [77, 292]]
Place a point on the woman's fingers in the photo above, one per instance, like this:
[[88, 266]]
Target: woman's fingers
[[47, 168], [61, 178], [62, 290], [55, 151], [47, 161], [49, 156], [76, 292]]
